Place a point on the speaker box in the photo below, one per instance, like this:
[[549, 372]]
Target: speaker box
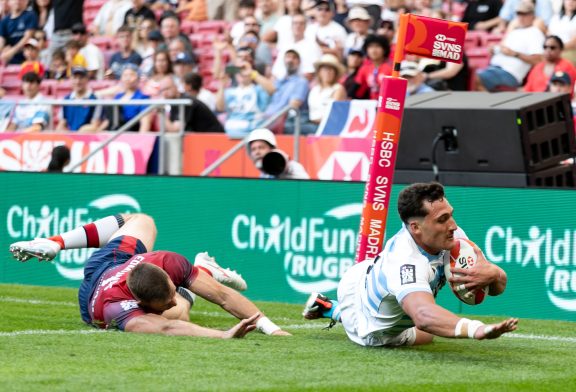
[[511, 134]]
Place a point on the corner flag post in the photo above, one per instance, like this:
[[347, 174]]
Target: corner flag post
[[426, 37]]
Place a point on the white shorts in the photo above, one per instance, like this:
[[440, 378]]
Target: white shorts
[[349, 289]]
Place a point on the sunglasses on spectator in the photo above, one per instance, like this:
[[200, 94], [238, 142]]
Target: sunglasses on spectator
[[550, 47]]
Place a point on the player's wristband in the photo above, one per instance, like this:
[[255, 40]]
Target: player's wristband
[[466, 328], [265, 325]]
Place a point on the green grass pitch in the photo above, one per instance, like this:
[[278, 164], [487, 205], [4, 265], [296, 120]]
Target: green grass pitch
[[45, 347]]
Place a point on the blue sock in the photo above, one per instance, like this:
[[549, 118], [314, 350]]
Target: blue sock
[[334, 312]]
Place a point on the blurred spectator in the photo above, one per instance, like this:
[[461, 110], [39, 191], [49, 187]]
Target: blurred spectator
[[59, 160], [539, 76], [281, 33], [262, 145], [482, 14], [542, 11], [237, 58], [561, 83], [110, 17], [374, 8], [40, 36], [262, 52], [73, 56], [246, 8], [301, 43], [563, 25], [129, 81], [327, 90], [15, 30], [519, 50], [67, 13], [32, 62], [125, 55], [43, 10], [409, 71], [170, 29], [442, 75], [341, 12], [195, 10], [79, 118], [30, 118], [141, 43], [197, 116], [162, 5], [138, 14], [328, 34], [222, 9], [93, 55], [291, 90], [177, 46], [244, 104], [162, 67], [193, 87], [354, 61], [359, 22], [386, 30], [58, 67], [267, 14], [183, 65], [155, 39], [373, 70], [421, 7]]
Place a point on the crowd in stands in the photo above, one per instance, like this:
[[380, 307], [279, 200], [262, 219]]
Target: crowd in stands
[[240, 62]]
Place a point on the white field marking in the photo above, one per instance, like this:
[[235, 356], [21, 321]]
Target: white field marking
[[52, 332], [36, 301], [540, 337]]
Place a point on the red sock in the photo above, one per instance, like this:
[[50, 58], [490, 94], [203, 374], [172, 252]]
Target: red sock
[[58, 239]]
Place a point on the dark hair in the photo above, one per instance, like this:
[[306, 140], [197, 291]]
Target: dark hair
[[247, 49], [165, 53], [124, 29], [59, 54], [247, 4], [411, 199], [378, 40], [31, 77], [169, 15], [36, 8], [149, 283], [193, 80], [60, 158], [557, 39], [79, 28]]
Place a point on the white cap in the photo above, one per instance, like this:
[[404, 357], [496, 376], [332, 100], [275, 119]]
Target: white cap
[[262, 134]]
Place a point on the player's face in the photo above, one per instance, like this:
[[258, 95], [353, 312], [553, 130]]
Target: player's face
[[435, 232], [161, 306]]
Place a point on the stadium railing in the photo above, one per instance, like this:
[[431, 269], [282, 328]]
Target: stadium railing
[[152, 104]]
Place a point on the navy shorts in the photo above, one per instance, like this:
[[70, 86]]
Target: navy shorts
[[114, 253]]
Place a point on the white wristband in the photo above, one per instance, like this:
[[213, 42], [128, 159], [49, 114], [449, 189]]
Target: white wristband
[[461, 330], [473, 327], [265, 325]]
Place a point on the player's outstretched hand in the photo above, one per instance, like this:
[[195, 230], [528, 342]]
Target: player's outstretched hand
[[483, 274], [493, 331], [281, 333], [242, 328]]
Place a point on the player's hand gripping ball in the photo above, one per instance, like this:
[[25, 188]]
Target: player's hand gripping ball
[[463, 256]]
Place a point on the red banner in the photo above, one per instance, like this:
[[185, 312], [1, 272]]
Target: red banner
[[128, 154], [435, 38]]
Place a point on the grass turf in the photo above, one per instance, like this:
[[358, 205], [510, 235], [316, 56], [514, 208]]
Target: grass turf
[[63, 354]]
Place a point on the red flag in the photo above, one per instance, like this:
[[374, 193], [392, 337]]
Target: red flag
[[435, 38]]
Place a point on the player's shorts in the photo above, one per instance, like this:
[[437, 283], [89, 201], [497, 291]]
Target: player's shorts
[[116, 252], [354, 320]]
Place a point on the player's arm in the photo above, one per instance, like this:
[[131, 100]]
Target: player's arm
[[153, 323], [232, 302], [483, 274], [434, 319]]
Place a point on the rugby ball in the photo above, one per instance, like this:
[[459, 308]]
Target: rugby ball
[[462, 255]]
